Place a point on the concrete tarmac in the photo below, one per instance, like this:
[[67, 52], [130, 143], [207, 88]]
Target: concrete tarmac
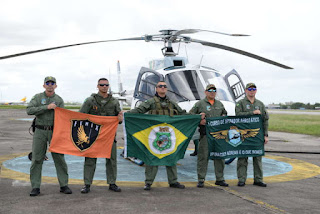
[[295, 192]]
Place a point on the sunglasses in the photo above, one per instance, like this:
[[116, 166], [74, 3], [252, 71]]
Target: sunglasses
[[161, 86], [50, 83], [252, 89], [212, 90], [104, 85]]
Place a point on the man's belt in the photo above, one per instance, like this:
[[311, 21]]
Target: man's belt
[[44, 127]]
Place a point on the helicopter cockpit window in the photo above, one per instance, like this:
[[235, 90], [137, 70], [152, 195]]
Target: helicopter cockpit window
[[184, 86], [215, 78], [147, 85]]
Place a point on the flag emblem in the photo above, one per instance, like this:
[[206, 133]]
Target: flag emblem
[[84, 133], [235, 136], [163, 141]]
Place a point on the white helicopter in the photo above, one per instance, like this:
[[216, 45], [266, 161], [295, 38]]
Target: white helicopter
[[186, 82]]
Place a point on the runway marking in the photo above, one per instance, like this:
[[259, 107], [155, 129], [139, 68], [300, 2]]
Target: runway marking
[[300, 170], [262, 204]]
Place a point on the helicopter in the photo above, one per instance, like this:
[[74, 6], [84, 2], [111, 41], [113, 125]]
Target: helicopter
[[186, 82]]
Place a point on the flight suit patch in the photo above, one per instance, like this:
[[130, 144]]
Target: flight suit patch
[[43, 101]]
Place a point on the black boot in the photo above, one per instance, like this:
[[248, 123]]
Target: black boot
[[85, 189], [147, 187], [177, 185], [194, 153], [35, 192], [65, 190], [114, 187]]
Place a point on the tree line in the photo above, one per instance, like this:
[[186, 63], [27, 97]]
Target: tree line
[[299, 105]]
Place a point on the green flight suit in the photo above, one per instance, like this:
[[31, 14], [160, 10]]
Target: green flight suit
[[245, 107], [160, 106], [109, 106], [215, 110], [38, 106]]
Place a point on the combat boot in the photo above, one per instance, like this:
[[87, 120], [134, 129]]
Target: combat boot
[[200, 184], [85, 189], [147, 187], [221, 183], [260, 184], [114, 187], [65, 190], [35, 192], [177, 185]]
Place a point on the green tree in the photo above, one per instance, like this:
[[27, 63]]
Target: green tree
[[297, 105]]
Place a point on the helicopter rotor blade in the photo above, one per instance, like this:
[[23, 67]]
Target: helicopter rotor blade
[[67, 46], [227, 48], [189, 31]]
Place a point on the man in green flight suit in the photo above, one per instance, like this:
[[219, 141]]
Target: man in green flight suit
[[42, 105], [102, 104], [161, 105], [208, 107], [250, 106]]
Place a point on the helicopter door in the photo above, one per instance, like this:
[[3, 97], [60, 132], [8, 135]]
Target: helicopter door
[[235, 84], [146, 83]]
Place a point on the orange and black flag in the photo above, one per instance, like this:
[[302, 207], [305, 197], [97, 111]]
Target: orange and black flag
[[82, 134]]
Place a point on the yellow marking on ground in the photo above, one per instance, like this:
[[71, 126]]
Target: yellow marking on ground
[[300, 170], [265, 205]]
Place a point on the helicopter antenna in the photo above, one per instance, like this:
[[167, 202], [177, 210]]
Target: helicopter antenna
[[186, 51], [179, 48], [201, 60]]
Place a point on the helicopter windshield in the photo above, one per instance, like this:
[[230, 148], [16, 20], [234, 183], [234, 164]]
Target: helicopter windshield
[[147, 85], [215, 78], [184, 85]]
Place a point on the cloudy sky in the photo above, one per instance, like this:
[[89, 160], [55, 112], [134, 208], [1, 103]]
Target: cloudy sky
[[285, 31]]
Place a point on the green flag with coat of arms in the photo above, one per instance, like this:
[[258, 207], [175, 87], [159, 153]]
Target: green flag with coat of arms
[[158, 139]]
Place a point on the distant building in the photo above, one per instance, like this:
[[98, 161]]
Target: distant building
[[273, 106]]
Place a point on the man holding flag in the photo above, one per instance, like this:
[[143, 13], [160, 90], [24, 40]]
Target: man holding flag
[[210, 107], [102, 104], [42, 105], [252, 106], [160, 105]]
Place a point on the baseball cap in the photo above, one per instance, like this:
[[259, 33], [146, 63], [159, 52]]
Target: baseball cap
[[250, 85], [210, 86], [50, 78]]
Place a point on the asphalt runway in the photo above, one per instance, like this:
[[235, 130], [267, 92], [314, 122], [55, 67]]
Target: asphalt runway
[[293, 190]]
